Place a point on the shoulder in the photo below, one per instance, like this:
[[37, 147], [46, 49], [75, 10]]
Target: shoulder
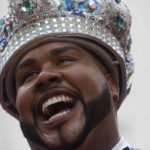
[[135, 149], [127, 148]]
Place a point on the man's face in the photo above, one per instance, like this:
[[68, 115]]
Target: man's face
[[61, 93]]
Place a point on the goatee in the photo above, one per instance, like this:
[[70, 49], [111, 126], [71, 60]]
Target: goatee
[[95, 111]]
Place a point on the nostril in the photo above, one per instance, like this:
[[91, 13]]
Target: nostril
[[52, 79], [45, 81], [40, 85]]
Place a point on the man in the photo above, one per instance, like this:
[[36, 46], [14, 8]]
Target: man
[[65, 70]]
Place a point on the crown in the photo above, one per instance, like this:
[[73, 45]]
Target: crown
[[107, 20]]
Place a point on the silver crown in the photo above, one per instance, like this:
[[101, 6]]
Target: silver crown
[[107, 20]]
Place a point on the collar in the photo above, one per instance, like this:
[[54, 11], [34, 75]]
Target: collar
[[121, 144]]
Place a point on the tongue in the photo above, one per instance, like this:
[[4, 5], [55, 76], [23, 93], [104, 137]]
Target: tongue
[[54, 109]]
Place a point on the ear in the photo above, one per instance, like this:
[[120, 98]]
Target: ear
[[114, 88]]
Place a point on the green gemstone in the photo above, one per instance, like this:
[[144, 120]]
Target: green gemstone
[[1, 26], [2, 23], [27, 6], [120, 22]]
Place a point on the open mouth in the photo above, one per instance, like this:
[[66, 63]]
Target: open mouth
[[55, 107]]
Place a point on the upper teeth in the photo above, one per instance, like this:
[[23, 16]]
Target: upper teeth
[[55, 100]]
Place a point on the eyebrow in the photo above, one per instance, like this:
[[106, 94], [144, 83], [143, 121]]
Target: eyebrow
[[25, 63], [53, 52], [60, 50]]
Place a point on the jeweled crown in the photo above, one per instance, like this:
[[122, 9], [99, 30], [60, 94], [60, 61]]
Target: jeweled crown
[[107, 20]]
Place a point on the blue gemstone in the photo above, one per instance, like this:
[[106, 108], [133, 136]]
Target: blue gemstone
[[120, 22], [7, 30], [68, 5], [82, 6], [78, 11], [3, 42], [127, 62], [19, 6], [118, 1]]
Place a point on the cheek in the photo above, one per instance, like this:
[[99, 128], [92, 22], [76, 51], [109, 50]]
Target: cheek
[[87, 80], [24, 103]]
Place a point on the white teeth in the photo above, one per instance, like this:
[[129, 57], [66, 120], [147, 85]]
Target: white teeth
[[67, 98], [63, 98], [55, 100], [59, 115]]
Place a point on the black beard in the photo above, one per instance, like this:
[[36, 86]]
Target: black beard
[[95, 111]]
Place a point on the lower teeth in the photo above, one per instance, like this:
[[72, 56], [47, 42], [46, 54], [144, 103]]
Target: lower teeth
[[58, 115]]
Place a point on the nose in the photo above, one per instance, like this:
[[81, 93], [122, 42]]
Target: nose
[[47, 79]]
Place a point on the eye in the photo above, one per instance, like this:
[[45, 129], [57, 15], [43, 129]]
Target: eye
[[29, 76], [64, 60]]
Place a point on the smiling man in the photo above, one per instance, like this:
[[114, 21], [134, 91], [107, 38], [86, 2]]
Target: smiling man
[[65, 70], [65, 102]]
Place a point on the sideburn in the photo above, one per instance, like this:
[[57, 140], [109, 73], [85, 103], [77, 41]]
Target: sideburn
[[97, 109]]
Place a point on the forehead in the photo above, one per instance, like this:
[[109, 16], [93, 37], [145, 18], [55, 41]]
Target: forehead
[[56, 48], [50, 50]]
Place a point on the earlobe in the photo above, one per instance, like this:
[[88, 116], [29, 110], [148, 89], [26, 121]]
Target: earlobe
[[114, 88]]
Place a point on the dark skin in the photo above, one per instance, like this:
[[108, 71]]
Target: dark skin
[[67, 69]]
